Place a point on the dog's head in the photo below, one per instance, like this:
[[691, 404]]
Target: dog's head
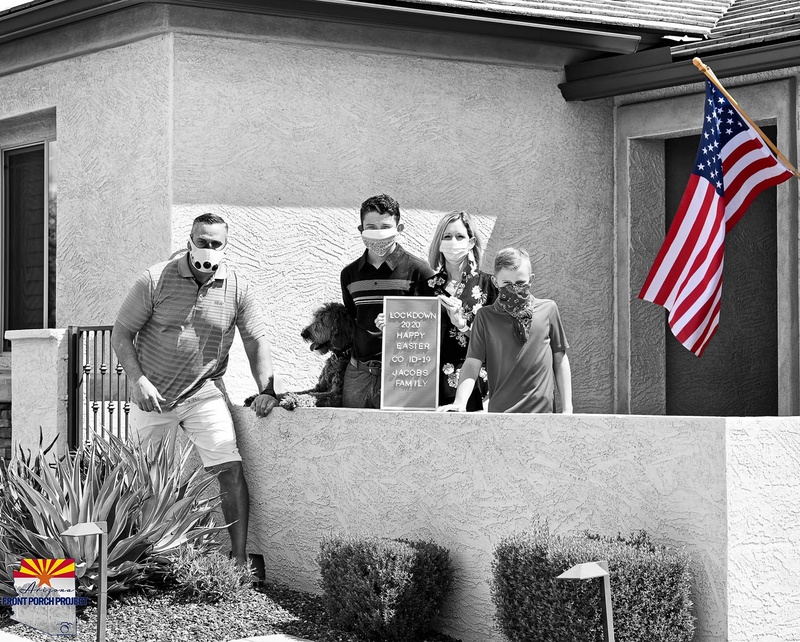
[[331, 329]]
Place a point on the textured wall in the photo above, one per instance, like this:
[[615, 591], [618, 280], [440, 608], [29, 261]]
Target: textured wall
[[763, 529], [466, 481], [286, 141], [646, 235], [113, 130]]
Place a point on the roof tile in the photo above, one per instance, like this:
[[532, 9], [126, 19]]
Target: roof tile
[[676, 17], [747, 23]]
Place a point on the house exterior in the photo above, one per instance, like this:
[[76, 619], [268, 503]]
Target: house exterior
[[558, 125], [284, 120]]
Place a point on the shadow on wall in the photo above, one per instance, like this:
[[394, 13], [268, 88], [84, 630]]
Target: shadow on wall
[[293, 257]]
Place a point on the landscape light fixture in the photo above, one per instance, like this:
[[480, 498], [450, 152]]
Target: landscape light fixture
[[101, 529], [590, 570]]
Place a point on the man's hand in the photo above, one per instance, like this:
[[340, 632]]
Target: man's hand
[[263, 404], [380, 321], [451, 407], [146, 396]]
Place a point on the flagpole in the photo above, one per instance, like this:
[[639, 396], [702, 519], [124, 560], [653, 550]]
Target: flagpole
[[713, 78]]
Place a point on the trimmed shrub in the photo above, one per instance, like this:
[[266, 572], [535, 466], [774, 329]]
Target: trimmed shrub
[[650, 589], [383, 589], [151, 502], [206, 575]]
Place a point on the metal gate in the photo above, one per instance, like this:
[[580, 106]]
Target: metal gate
[[98, 400]]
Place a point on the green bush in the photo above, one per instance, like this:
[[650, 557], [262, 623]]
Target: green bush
[[383, 589], [650, 589], [207, 575], [151, 502]]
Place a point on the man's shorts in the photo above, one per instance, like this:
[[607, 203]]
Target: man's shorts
[[205, 418]]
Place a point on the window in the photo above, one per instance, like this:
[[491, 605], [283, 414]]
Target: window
[[28, 234]]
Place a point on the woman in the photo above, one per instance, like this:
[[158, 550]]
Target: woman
[[455, 255]]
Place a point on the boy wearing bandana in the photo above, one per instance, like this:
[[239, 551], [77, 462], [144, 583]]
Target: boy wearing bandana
[[522, 342]]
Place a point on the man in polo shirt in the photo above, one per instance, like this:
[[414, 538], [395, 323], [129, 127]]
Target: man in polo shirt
[[385, 269], [172, 336]]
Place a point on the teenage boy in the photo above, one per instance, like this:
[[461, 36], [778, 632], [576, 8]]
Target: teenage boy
[[385, 269], [521, 341]]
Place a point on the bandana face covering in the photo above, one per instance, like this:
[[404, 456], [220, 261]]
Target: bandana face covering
[[515, 300], [379, 241]]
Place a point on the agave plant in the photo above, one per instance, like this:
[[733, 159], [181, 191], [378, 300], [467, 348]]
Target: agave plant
[[151, 501]]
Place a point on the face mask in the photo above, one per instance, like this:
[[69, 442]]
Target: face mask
[[379, 241], [204, 259], [453, 250]]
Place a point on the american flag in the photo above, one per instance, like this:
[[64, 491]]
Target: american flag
[[733, 166]]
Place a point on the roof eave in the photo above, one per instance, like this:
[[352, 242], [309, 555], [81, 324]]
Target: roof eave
[[636, 72], [48, 15]]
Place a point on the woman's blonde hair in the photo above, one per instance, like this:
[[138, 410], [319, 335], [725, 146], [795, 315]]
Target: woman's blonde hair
[[435, 256]]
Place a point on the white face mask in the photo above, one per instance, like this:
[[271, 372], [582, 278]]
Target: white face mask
[[204, 259], [380, 241], [454, 250]]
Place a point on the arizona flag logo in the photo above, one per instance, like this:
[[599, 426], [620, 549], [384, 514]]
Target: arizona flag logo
[[46, 595], [57, 574]]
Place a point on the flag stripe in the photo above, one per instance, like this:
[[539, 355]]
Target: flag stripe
[[704, 278], [663, 277], [763, 181], [700, 246]]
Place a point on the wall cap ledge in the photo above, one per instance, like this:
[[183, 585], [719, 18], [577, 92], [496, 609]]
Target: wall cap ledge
[[48, 333]]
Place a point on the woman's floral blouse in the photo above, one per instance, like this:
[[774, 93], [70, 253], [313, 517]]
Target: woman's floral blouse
[[475, 290]]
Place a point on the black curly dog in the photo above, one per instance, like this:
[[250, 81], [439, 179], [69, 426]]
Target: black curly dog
[[330, 331]]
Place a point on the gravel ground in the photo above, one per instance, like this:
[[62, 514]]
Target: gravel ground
[[160, 617]]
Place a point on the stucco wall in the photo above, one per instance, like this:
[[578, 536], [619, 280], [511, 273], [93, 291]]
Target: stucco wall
[[38, 389], [286, 140], [763, 525], [113, 132], [468, 480]]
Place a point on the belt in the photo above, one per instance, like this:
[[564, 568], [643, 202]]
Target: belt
[[373, 367]]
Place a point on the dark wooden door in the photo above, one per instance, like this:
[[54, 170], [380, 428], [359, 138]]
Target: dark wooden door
[[738, 373]]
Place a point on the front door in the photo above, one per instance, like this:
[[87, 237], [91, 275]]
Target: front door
[[738, 373]]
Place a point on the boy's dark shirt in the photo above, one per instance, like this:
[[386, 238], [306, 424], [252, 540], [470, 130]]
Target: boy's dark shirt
[[363, 289]]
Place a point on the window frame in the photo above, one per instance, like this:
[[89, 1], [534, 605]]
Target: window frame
[[45, 143]]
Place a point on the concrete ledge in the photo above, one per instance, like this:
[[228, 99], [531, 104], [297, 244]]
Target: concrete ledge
[[47, 333]]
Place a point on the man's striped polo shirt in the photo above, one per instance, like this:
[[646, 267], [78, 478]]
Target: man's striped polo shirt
[[185, 330], [363, 289]]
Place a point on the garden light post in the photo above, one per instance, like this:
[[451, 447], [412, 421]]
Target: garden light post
[[101, 529], [588, 571]]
